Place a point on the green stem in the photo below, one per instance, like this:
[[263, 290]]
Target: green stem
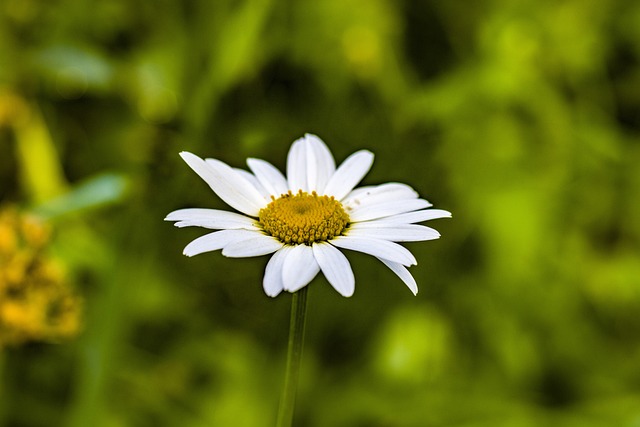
[[294, 354]]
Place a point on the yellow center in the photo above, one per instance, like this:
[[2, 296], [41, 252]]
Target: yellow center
[[303, 218]]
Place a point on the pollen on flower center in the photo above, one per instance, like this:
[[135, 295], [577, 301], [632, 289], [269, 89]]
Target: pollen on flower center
[[303, 218]]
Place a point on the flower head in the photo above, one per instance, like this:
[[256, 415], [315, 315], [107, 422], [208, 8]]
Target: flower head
[[36, 302], [304, 218]]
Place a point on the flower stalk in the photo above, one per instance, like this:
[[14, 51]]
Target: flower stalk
[[294, 356]]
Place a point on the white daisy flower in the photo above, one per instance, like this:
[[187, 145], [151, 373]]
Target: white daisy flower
[[305, 218]]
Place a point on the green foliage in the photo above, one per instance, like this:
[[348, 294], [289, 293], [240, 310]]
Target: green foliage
[[520, 117]]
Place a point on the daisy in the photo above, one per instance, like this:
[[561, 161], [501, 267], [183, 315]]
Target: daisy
[[303, 219]]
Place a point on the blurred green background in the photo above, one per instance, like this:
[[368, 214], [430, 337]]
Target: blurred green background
[[520, 117]]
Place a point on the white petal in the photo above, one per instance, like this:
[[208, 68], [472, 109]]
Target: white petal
[[211, 218], [403, 274], [397, 233], [371, 195], [240, 184], [382, 210], [320, 163], [297, 166], [376, 247], [232, 188], [272, 282], [256, 245], [349, 174], [413, 217], [300, 267], [216, 240], [335, 267], [269, 176], [256, 184]]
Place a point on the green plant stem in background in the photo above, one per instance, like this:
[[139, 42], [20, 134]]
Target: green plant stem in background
[[294, 355]]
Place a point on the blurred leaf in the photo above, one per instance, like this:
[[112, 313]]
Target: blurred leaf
[[95, 192], [41, 171], [72, 70]]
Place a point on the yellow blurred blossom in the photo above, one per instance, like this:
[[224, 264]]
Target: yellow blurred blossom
[[36, 303]]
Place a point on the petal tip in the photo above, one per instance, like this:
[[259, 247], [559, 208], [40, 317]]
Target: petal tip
[[310, 137], [187, 154], [273, 294], [368, 153]]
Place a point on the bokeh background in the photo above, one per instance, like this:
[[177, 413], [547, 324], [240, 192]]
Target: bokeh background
[[520, 117]]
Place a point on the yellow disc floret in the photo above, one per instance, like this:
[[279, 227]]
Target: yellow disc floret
[[303, 218]]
